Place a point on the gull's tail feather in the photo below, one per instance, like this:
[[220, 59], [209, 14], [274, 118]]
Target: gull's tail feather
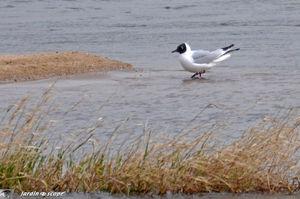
[[229, 51], [225, 56], [227, 47], [222, 58]]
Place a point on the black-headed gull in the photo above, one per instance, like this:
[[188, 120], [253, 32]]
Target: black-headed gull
[[199, 61]]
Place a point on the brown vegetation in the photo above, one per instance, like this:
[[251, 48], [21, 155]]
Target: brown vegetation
[[265, 159], [45, 65]]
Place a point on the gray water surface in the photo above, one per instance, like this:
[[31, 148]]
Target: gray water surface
[[262, 79]]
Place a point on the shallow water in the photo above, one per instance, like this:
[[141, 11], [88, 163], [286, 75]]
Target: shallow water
[[260, 80]]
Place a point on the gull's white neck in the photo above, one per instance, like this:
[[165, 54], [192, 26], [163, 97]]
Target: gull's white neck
[[187, 55], [188, 50]]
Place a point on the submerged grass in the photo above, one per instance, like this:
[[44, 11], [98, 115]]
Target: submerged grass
[[265, 159]]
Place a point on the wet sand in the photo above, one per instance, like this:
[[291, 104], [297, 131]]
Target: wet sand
[[45, 65]]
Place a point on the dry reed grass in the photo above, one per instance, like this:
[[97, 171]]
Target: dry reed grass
[[45, 65], [264, 159]]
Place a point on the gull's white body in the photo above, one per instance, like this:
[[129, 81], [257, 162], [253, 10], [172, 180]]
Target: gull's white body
[[201, 60]]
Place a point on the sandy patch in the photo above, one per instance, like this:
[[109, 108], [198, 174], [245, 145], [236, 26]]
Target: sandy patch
[[46, 65]]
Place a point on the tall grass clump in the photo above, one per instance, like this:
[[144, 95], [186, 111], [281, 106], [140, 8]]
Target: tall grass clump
[[264, 159]]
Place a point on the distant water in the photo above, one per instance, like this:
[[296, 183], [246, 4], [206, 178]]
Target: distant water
[[263, 78], [145, 32]]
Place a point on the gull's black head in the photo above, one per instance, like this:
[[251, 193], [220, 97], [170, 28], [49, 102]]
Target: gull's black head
[[180, 49]]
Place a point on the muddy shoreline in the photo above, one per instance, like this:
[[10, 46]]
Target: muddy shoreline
[[15, 68]]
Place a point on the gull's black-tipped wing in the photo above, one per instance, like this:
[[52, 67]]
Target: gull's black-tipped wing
[[206, 57]]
